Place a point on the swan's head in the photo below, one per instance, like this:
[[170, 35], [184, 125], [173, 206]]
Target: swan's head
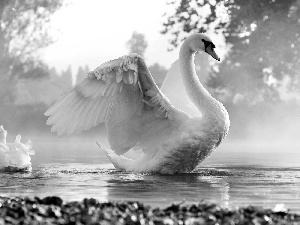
[[201, 42]]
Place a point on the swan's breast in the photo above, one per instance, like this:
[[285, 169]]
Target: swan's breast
[[195, 141]]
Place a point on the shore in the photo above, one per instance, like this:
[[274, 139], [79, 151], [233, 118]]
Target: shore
[[53, 210]]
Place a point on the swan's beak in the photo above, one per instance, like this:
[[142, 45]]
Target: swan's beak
[[210, 50]]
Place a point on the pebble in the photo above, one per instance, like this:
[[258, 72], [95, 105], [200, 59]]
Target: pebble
[[53, 210]]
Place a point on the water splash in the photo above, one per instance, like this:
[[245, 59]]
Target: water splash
[[14, 156]]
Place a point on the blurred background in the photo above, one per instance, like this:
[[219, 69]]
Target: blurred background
[[47, 47]]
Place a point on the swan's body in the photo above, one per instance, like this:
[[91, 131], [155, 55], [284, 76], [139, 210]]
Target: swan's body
[[14, 155], [140, 119]]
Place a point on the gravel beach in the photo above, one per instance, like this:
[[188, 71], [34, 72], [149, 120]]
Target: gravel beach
[[53, 210]]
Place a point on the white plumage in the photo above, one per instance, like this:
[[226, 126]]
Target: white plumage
[[139, 118], [16, 155]]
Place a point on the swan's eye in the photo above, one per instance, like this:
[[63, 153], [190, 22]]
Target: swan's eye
[[208, 43]]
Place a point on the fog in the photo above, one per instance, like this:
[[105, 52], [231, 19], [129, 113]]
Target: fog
[[255, 130], [260, 122]]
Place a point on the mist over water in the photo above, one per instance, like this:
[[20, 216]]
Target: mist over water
[[238, 173], [257, 164]]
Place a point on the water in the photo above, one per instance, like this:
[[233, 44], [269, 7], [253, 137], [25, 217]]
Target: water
[[236, 174]]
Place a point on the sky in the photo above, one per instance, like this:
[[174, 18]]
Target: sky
[[91, 32]]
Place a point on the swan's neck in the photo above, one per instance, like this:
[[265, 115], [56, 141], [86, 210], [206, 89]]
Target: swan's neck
[[202, 99]]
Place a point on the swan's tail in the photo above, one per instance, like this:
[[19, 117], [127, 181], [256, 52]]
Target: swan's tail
[[120, 162]]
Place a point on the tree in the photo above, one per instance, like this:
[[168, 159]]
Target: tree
[[137, 43], [23, 31], [264, 37], [82, 73], [66, 78]]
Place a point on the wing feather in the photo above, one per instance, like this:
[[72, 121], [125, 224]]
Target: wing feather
[[57, 107], [111, 91], [91, 117], [72, 127], [92, 91]]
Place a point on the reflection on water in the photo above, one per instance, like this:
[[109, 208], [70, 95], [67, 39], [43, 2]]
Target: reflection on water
[[228, 186], [226, 178]]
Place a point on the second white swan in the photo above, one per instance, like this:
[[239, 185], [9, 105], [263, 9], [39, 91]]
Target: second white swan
[[140, 119]]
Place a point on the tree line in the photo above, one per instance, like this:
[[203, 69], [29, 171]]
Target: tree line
[[258, 80], [264, 45]]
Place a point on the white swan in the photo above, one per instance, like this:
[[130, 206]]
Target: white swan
[[139, 118], [14, 156]]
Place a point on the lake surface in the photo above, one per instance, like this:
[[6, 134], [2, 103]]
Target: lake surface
[[236, 174]]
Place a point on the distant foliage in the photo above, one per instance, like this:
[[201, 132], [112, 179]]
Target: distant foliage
[[23, 31], [264, 37], [32, 97], [82, 73], [43, 90], [137, 43], [66, 78]]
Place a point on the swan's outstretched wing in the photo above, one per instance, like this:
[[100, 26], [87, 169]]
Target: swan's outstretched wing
[[121, 93]]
